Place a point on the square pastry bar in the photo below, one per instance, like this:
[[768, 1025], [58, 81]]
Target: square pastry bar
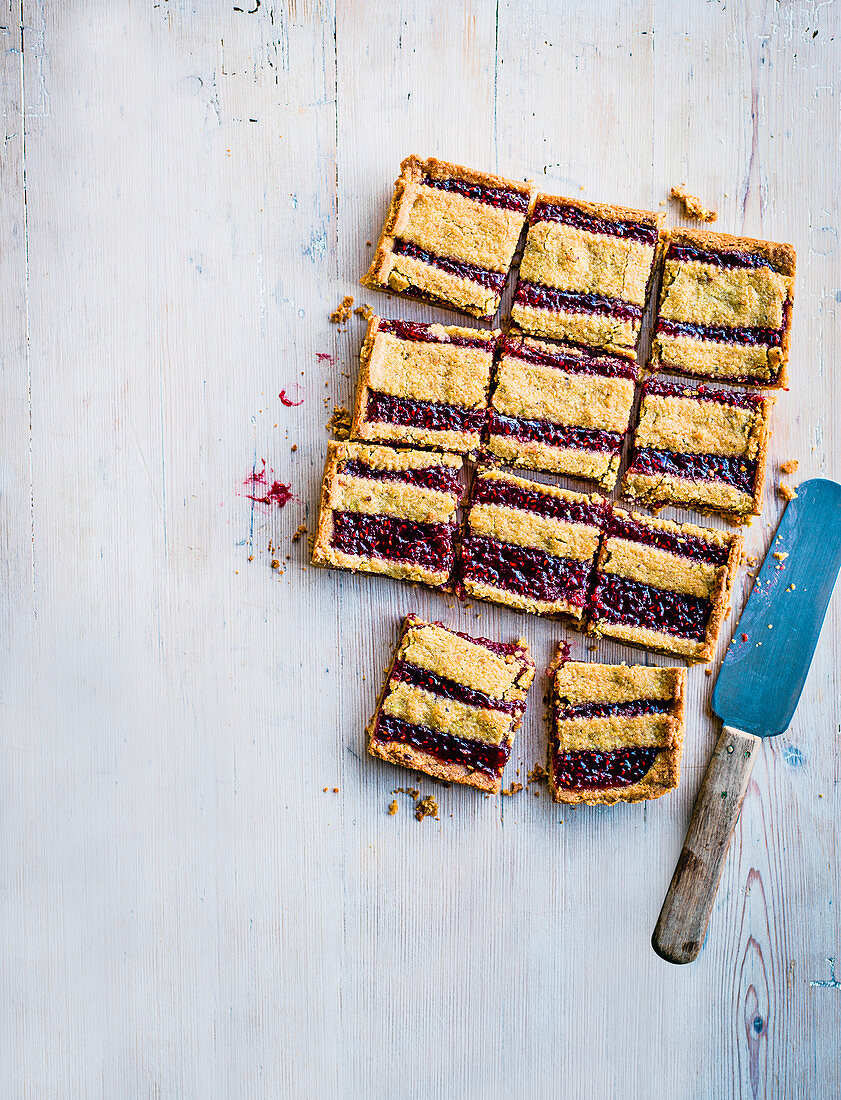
[[425, 385], [388, 511], [528, 545], [560, 409], [585, 272], [704, 448], [451, 704], [449, 236], [665, 586], [725, 308], [615, 732]]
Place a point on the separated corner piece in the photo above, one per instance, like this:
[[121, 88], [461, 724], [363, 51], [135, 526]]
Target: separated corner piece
[[615, 732], [449, 236], [725, 308], [451, 704]]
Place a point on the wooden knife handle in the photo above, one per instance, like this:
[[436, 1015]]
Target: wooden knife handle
[[682, 924]]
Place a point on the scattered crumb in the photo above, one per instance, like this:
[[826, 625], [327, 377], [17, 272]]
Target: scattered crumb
[[413, 792], [335, 790], [751, 562], [515, 788], [536, 794], [789, 467], [368, 243], [251, 557], [364, 311], [342, 311], [592, 649], [786, 492], [708, 672], [302, 530], [538, 774], [770, 626], [426, 807], [275, 563], [781, 556], [339, 422], [325, 788], [791, 587], [692, 205], [294, 446], [393, 807]]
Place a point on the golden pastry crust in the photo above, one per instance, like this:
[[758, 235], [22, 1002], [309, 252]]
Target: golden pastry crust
[[692, 205]]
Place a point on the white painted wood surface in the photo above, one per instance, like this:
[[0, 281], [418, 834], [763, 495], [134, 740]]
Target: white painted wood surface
[[187, 191]]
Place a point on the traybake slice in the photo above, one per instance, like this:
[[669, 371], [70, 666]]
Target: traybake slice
[[425, 385], [528, 545], [557, 408], [615, 732], [585, 273], [451, 704], [389, 511], [449, 236], [662, 585], [704, 448], [725, 308]]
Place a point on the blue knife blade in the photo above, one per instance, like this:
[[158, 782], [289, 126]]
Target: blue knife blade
[[767, 661]]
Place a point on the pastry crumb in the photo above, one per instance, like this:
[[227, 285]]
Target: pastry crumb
[[364, 311], [692, 205], [339, 422], [538, 774], [393, 807], [781, 555], [275, 563], [515, 788], [335, 790], [426, 807], [342, 311], [413, 792], [294, 447], [789, 467], [302, 530], [708, 672], [786, 492]]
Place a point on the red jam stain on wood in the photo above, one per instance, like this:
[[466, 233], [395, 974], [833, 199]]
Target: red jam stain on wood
[[324, 357], [287, 401], [275, 491]]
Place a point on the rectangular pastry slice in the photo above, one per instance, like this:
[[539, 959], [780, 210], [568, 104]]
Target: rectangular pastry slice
[[528, 545], [662, 585], [449, 236], [615, 732], [704, 448], [585, 273], [725, 308], [425, 385], [557, 408], [388, 511], [451, 704]]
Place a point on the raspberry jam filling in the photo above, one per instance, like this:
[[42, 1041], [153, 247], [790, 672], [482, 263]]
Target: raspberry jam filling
[[554, 435], [571, 215], [748, 337], [524, 571], [740, 473], [444, 479], [492, 490], [620, 600], [688, 546], [404, 673], [659, 388], [632, 709], [572, 364], [538, 296], [503, 198], [686, 253], [411, 330], [594, 771], [376, 536], [384, 408], [493, 280], [479, 756]]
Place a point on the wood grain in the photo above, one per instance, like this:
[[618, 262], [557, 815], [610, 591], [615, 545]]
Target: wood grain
[[187, 191]]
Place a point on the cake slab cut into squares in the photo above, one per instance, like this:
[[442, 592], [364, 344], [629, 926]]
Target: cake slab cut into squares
[[662, 585], [389, 511], [701, 447], [423, 385], [451, 704], [450, 235], [585, 273], [615, 732], [528, 545], [560, 409], [725, 308]]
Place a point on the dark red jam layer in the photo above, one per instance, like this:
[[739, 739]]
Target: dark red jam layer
[[376, 536], [411, 330], [632, 709], [735, 398], [748, 337], [620, 600], [571, 215], [478, 755], [554, 435], [524, 571], [738, 472], [404, 673], [443, 478], [686, 253], [689, 546], [493, 280], [384, 408], [538, 296], [572, 364], [596, 771], [487, 490], [503, 198]]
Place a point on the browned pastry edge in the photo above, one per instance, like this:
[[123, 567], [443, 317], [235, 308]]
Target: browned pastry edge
[[606, 211]]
